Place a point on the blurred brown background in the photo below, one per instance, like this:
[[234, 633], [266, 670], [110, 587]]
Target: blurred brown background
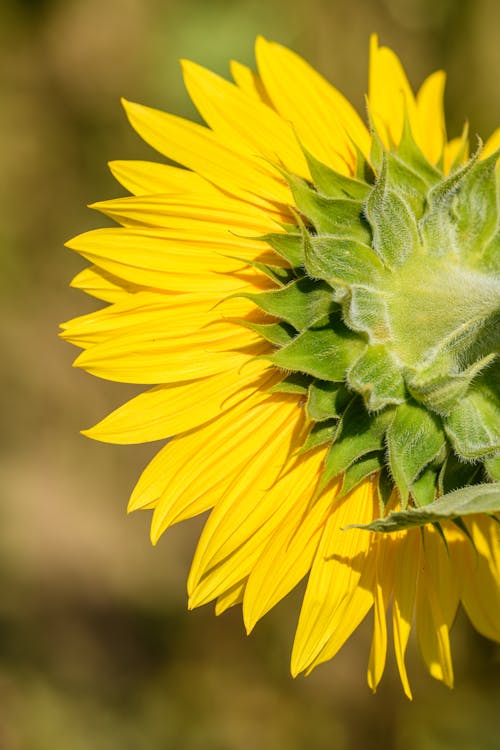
[[96, 647]]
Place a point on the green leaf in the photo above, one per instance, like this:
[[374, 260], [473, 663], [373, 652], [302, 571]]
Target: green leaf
[[489, 261], [301, 303], [414, 438], [361, 433], [395, 234], [324, 351], [473, 426], [359, 471], [480, 498], [326, 400], [333, 184], [341, 261], [407, 183], [377, 377]]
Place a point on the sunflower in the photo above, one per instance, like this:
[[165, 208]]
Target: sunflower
[[315, 304]]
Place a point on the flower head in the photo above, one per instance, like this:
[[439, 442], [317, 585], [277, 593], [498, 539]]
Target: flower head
[[316, 303]]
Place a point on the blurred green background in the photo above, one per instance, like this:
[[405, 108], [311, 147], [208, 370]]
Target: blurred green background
[[96, 647]]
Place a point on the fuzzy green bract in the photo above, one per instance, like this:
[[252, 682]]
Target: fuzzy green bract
[[390, 324]]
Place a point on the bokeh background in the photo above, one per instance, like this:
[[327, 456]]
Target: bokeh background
[[97, 649]]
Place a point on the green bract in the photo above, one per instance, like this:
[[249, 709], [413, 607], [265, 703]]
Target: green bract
[[390, 322]]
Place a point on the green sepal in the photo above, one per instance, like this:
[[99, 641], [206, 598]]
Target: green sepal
[[287, 244], [441, 393], [339, 216], [473, 426], [492, 467], [377, 378], [326, 400], [438, 224], [480, 498], [385, 488], [325, 351], [361, 433], [301, 303], [414, 438], [281, 276], [341, 261], [489, 260], [423, 489], [463, 150], [293, 383], [395, 233], [279, 334], [475, 207], [366, 310], [321, 433], [359, 471], [410, 153], [455, 474], [333, 184], [403, 180]]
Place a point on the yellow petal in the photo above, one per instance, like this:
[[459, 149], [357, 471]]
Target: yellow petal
[[201, 150], [324, 120], [148, 258], [230, 598], [222, 450], [384, 581], [406, 570], [480, 576], [171, 409], [431, 132], [181, 313], [456, 147], [342, 557], [249, 82], [224, 556], [289, 554], [214, 215], [390, 96], [104, 286], [153, 355], [149, 177], [431, 621], [249, 125], [492, 144], [256, 500]]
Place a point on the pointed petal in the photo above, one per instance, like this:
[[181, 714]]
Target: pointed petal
[[224, 449], [480, 576], [249, 82], [406, 570], [324, 120], [384, 581], [390, 95], [104, 286], [169, 410], [201, 150], [491, 144], [430, 114], [249, 125], [230, 598], [149, 177], [436, 606], [342, 557]]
